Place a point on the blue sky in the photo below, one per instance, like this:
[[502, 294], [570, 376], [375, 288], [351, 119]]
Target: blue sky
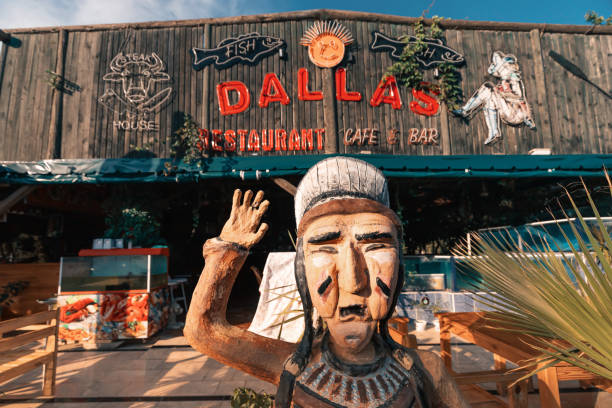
[[37, 13]]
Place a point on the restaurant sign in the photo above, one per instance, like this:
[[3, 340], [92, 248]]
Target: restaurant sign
[[273, 91], [327, 44], [246, 49], [137, 99], [435, 53]]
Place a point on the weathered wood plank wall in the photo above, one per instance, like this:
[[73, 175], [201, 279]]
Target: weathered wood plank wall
[[572, 116]]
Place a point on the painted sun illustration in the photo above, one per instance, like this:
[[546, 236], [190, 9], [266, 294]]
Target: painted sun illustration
[[326, 42]]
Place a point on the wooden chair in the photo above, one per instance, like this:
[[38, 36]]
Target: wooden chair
[[398, 329], [468, 382], [18, 355]]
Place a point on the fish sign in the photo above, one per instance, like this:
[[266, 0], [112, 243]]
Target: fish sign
[[246, 49], [436, 52]]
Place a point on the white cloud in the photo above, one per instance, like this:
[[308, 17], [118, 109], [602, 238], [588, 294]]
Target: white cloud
[[40, 13]]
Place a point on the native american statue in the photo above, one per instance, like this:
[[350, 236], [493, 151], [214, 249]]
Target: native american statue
[[348, 267], [505, 100]]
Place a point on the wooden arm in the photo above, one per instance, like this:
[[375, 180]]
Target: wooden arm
[[206, 327]]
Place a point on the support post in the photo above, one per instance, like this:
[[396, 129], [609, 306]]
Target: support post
[[50, 368], [55, 143], [500, 364], [548, 388], [445, 343], [518, 397], [206, 83], [329, 111]]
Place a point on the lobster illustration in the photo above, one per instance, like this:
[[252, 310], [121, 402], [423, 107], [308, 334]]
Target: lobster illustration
[[77, 310]]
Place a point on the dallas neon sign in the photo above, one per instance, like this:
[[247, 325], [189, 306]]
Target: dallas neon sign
[[273, 91]]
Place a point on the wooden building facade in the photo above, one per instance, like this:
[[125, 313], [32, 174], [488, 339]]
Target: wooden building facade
[[105, 91]]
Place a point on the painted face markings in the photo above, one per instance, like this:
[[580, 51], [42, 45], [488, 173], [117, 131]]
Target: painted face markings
[[383, 287], [375, 235], [321, 260], [325, 237], [371, 242], [323, 286], [383, 257]]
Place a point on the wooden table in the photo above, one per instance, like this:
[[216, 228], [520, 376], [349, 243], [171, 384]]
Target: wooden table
[[510, 346]]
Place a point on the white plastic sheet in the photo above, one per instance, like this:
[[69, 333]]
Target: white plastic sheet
[[279, 300]]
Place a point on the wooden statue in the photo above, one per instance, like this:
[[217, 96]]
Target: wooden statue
[[348, 267]]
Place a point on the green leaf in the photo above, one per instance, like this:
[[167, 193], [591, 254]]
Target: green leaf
[[551, 295]]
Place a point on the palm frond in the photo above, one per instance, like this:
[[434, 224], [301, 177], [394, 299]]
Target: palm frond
[[551, 295]]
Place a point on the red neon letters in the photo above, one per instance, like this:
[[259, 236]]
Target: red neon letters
[[303, 93], [244, 97], [429, 105], [265, 140], [272, 91], [341, 93], [387, 92]]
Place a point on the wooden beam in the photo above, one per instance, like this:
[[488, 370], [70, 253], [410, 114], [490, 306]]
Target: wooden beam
[[10, 343], [285, 185], [16, 196], [496, 376], [5, 37], [205, 83], [324, 14], [54, 146], [3, 65], [26, 321], [541, 105], [329, 111]]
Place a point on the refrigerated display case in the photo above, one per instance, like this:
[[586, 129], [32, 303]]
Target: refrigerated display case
[[113, 294]]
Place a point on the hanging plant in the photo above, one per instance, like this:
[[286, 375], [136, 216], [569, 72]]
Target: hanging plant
[[186, 143], [409, 72]]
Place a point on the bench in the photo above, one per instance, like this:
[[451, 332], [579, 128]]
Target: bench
[[468, 382], [17, 353]]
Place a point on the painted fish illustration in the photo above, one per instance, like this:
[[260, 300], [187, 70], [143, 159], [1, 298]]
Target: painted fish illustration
[[246, 49], [436, 52]]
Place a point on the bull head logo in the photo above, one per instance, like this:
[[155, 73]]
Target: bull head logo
[[137, 74]]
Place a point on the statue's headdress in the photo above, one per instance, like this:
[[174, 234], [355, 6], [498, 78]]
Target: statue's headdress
[[361, 186]]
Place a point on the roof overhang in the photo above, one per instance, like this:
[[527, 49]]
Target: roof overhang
[[99, 171]]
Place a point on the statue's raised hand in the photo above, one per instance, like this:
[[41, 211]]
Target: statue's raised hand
[[243, 226]]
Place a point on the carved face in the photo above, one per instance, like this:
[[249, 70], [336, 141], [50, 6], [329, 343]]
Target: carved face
[[351, 264]]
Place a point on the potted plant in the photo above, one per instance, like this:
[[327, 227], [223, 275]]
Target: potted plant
[[10, 291], [244, 397], [134, 225]]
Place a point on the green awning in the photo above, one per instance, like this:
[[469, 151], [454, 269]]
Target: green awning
[[95, 171]]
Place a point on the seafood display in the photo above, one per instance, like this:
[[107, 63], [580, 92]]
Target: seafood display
[[112, 316], [113, 294], [78, 310]]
